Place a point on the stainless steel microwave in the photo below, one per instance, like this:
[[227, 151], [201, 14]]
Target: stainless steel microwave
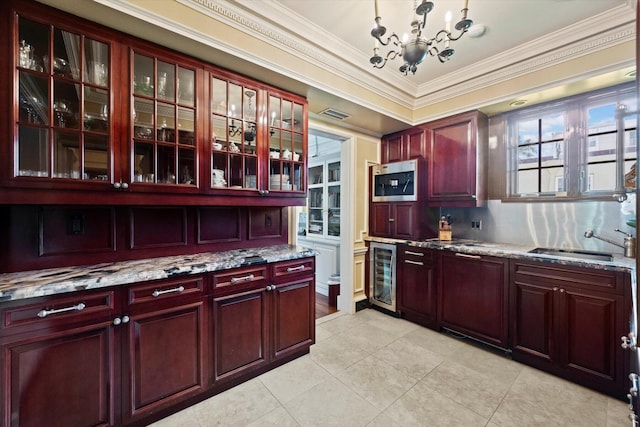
[[395, 182]]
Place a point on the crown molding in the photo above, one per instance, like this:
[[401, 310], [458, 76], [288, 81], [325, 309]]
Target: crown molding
[[600, 32]]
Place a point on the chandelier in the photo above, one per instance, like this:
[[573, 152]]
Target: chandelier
[[414, 51]]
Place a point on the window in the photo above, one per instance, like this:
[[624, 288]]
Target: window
[[567, 149]]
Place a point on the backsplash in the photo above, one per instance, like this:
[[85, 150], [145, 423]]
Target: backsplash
[[556, 225]]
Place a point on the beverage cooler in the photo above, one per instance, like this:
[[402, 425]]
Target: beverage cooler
[[382, 277]]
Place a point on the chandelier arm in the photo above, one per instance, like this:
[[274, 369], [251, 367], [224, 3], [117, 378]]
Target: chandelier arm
[[391, 55], [459, 35], [389, 41]]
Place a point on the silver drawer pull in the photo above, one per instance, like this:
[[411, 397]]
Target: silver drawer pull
[[414, 253], [44, 313], [290, 269], [242, 279], [157, 293], [468, 256], [408, 261]]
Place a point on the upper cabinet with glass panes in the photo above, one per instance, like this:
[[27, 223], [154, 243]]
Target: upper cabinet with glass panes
[[64, 121], [258, 141], [163, 121], [93, 109]]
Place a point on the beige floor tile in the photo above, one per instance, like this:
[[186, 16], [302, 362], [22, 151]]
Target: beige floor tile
[[539, 399], [422, 406], [489, 362], [322, 333], [331, 403], [293, 378], [435, 342], [342, 323], [279, 417], [238, 406], [184, 418], [378, 382], [336, 354], [367, 337], [392, 325], [383, 421], [409, 358], [471, 389], [617, 413]]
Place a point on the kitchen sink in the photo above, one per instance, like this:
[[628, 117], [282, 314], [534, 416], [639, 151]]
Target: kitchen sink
[[573, 253]]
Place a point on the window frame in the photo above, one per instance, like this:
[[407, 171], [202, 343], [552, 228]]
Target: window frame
[[576, 142]]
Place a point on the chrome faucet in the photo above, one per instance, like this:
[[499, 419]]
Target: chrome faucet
[[629, 245]]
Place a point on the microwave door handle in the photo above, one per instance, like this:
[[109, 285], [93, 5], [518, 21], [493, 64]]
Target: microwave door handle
[[404, 190]]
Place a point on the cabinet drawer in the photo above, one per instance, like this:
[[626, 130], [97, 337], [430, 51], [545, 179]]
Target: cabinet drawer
[[164, 290], [239, 279], [414, 255], [283, 270], [53, 311], [562, 275]]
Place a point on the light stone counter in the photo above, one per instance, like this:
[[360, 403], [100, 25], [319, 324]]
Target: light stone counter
[[506, 250], [29, 284]]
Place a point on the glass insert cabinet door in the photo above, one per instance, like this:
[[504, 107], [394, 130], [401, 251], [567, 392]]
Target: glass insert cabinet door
[[286, 145], [234, 135], [163, 122], [64, 108]]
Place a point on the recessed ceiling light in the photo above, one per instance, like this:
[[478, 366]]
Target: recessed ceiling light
[[631, 74], [519, 103], [477, 30]]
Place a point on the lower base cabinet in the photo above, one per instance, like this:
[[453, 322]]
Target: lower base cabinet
[[132, 355], [568, 321], [416, 291], [473, 296]]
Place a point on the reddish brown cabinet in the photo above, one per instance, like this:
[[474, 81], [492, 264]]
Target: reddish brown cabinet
[[94, 110], [260, 315], [133, 354], [473, 296], [416, 291], [457, 160], [60, 360], [569, 321], [406, 145], [164, 345], [394, 219]]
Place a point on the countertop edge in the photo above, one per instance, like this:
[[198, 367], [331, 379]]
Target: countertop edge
[[507, 250], [38, 283]]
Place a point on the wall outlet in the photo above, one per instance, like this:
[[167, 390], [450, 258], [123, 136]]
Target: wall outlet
[[476, 224]]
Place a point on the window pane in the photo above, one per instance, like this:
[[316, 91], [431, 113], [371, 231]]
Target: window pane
[[527, 131], [552, 180], [553, 127], [527, 181], [601, 176]]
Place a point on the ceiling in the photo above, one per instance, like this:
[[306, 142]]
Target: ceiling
[[520, 36]]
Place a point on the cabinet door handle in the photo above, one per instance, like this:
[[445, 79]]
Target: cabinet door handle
[[391, 219], [414, 253], [242, 279], [125, 185], [117, 185], [157, 293], [44, 313], [290, 269], [468, 256], [408, 261]]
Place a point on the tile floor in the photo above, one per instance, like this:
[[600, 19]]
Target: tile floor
[[371, 369]]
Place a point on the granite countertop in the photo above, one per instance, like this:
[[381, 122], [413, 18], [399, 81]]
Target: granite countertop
[[29, 284], [507, 250]]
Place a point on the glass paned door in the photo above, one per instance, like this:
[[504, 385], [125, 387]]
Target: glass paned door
[[64, 117], [286, 145], [164, 122], [234, 135]]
